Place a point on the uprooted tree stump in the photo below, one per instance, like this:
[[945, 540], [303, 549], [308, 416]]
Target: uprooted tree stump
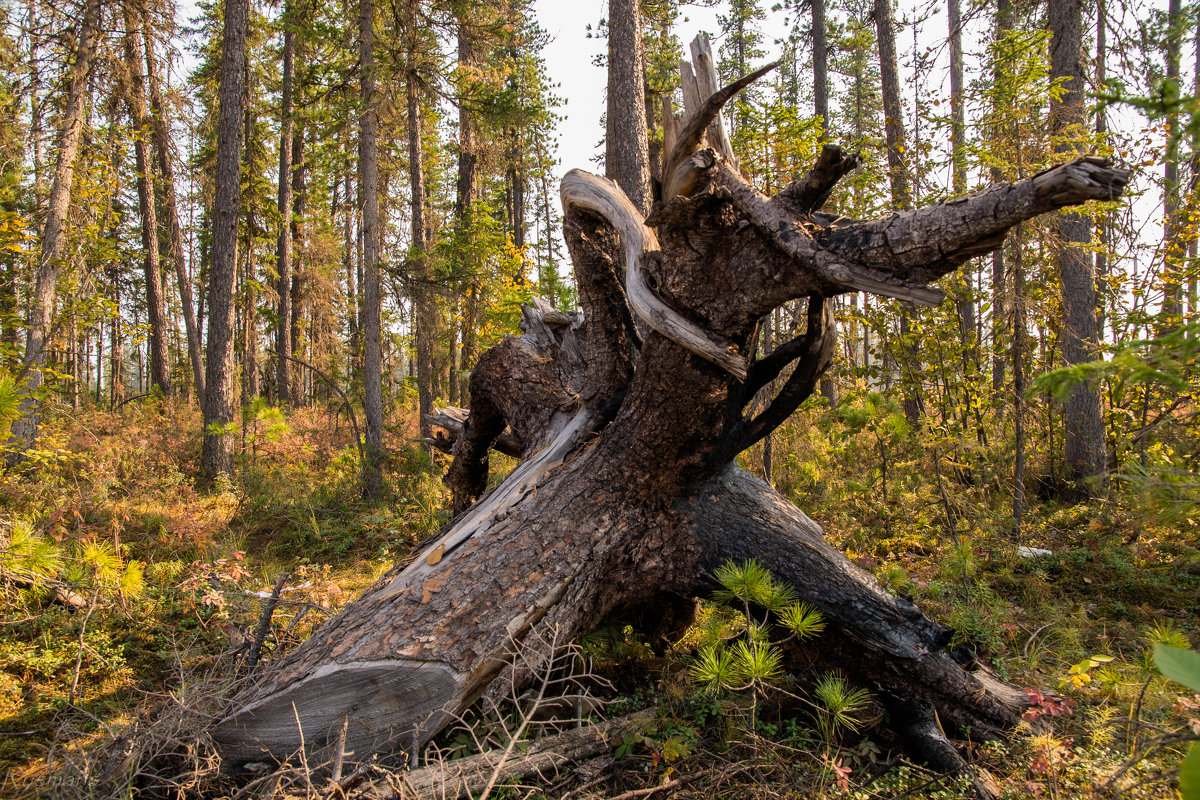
[[628, 416]]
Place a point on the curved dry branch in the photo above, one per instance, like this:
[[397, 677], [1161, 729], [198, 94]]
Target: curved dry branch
[[592, 193], [839, 271], [819, 341], [926, 243], [769, 367]]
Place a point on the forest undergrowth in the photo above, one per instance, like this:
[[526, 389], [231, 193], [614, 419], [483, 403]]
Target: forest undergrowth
[[132, 604]]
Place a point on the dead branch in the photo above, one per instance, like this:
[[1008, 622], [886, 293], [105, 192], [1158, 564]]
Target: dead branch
[[264, 623], [809, 194], [467, 776]]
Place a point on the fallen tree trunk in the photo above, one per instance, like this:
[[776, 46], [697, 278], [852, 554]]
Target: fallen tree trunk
[[627, 419]]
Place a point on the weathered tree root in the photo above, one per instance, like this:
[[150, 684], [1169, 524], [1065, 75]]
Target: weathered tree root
[[625, 490]]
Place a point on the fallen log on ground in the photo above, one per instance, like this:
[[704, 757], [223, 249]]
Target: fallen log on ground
[[627, 419]]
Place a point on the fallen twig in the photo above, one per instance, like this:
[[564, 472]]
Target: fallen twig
[[264, 623], [470, 775]]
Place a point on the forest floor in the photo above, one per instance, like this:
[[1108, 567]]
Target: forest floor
[[131, 605]]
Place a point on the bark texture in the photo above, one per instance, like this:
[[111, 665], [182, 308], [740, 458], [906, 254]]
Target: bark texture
[[368, 196], [626, 489], [1084, 450], [626, 148], [216, 456], [283, 250], [173, 227], [421, 287], [135, 99]]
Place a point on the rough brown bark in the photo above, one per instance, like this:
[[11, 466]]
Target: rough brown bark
[[1086, 459], [893, 113], [626, 488], [216, 457], [467, 190], [301, 389], [821, 109], [283, 251], [964, 302], [423, 310], [135, 98], [626, 148], [368, 195], [173, 227], [1172, 304], [999, 292], [820, 65], [889, 79]]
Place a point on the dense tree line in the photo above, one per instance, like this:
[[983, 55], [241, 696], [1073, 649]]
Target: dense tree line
[[356, 198]]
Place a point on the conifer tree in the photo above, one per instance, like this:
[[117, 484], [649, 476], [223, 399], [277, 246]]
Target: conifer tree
[[1085, 449], [52, 240], [216, 458]]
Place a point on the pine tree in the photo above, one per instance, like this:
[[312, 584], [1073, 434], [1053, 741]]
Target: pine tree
[[216, 458]]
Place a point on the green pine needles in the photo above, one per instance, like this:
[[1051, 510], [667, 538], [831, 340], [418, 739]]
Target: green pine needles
[[38, 566], [752, 660], [839, 705]]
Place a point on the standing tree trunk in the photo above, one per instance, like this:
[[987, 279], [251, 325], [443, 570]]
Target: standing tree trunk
[[423, 311], [50, 251], [1084, 448], [368, 194], [465, 198], [135, 98], [893, 126], [216, 456], [626, 147], [999, 312], [1194, 193], [626, 489], [348, 264], [821, 109], [964, 300], [820, 66], [1019, 336], [170, 204], [1172, 305], [283, 251], [301, 379], [1102, 232]]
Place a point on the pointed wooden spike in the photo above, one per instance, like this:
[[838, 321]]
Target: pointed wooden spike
[[691, 94], [706, 83], [670, 129]]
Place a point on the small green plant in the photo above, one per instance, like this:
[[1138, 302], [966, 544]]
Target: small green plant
[[839, 706], [1165, 633], [753, 661], [896, 580], [262, 421], [1080, 675], [10, 400], [28, 557]]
